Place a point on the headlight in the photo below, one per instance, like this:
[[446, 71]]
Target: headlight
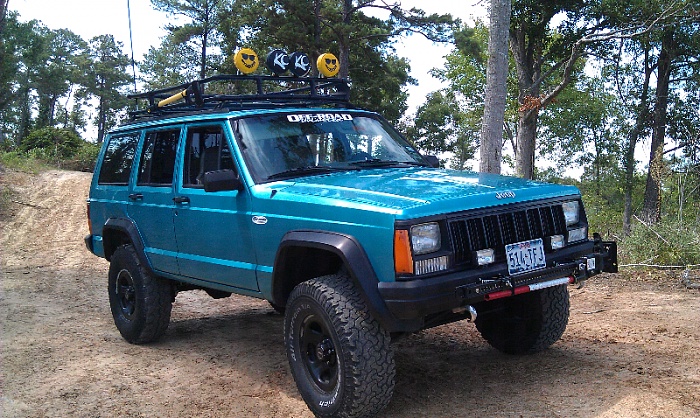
[[570, 212], [425, 238]]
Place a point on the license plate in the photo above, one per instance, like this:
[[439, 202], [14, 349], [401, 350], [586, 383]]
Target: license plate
[[525, 256]]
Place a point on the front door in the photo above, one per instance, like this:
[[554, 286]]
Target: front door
[[212, 228]]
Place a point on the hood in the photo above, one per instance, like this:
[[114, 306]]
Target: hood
[[414, 192]]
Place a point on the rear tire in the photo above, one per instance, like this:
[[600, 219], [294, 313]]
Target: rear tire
[[527, 323], [338, 353], [140, 303]]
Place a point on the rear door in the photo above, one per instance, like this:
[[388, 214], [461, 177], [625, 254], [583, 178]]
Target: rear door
[[151, 197], [212, 228]]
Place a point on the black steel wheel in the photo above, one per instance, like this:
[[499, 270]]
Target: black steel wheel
[[318, 352], [526, 323], [338, 353], [140, 302], [125, 293]]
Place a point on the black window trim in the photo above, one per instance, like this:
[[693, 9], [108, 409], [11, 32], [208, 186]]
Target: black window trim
[[178, 126], [180, 163], [137, 152]]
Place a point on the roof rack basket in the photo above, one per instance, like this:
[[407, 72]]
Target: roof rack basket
[[259, 91]]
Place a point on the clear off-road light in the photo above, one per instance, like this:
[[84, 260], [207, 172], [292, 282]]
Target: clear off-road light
[[485, 257], [431, 265], [571, 212], [557, 242], [578, 234]]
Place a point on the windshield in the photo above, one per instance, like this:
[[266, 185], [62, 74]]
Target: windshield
[[299, 144]]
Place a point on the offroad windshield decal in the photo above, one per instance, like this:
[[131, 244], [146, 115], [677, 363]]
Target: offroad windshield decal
[[319, 117]]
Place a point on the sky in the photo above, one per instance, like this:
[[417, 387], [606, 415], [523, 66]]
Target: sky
[[89, 18]]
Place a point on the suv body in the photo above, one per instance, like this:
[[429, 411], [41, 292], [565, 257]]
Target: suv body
[[331, 214]]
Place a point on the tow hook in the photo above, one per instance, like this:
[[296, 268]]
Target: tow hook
[[469, 310]]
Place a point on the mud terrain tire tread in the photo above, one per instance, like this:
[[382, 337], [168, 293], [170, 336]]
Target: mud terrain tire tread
[[153, 299], [366, 360], [529, 323]]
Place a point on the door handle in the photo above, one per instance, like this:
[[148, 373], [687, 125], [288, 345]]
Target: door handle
[[136, 196], [181, 199]]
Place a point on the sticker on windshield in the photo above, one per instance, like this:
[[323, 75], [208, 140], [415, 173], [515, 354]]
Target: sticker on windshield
[[319, 117]]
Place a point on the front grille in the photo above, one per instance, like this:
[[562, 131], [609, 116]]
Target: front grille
[[470, 234]]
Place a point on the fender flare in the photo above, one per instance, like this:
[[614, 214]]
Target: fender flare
[[353, 256], [127, 227]]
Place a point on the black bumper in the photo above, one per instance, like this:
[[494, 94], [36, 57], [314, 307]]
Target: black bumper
[[88, 243], [411, 300]]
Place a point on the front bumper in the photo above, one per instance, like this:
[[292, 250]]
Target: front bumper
[[416, 299]]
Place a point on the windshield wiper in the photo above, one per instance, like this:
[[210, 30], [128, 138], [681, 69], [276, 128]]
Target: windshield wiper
[[301, 171], [377, 162]]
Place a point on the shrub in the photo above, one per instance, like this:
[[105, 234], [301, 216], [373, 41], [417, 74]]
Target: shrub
[[21, 162], [667, 242], [52, 144], [84, 159]]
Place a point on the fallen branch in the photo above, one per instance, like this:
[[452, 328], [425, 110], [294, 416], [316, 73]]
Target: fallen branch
[[660, 267], [650, 228], [594, 312], [31, 205]]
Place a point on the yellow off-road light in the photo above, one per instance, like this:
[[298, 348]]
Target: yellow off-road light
[[328, 64], [246, 60]]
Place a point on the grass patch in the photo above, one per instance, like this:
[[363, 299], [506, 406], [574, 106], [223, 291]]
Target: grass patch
[[23, 162]]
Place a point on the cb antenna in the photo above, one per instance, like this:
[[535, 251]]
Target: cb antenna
[[131, 43]]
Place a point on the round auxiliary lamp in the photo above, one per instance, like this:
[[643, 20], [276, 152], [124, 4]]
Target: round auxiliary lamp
[[328, 65], [246, 60], [279, 62]]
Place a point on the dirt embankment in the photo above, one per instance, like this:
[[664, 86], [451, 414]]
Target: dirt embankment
[[631, 348]]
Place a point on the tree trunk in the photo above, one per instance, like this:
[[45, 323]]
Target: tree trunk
[[528, 70], [525, 145], [496, 88], [203, 64], [629, 161], [652, 193], [344, 40]]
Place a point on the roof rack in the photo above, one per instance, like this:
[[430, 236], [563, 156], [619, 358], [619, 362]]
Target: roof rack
[[296, 91]]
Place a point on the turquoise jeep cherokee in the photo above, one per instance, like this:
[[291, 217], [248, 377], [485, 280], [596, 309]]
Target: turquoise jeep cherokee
[[328, 213]]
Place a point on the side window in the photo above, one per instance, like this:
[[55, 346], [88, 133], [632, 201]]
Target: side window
[[118, 158], [207, 150], [158, 158]]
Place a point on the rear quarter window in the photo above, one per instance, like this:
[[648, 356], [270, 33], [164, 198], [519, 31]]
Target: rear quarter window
[[118, 159]]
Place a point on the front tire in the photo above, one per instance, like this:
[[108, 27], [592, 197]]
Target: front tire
[[338, 353], [140, 303], [527, 323]]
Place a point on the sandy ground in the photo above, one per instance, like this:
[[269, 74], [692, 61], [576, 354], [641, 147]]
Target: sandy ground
[[631, 348]]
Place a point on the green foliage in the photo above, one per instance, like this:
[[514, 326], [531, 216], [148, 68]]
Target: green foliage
[[84, 158], [21, 161], [103, 78], [53, 75], [52, 144], [667, 242], [78, 156], [7, 195], [449, 122], [362, 42], [170, 64], [441, 127], [200, 30]]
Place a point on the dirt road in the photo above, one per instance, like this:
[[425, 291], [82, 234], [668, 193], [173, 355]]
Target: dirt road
[[631, 348]]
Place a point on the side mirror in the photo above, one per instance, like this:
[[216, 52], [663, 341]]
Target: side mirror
[[222, 180], [432, 160]]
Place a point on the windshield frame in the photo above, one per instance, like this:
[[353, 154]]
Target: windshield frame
[[348, 130]]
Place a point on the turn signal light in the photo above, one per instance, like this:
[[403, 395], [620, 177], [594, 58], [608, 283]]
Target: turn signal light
[[403, 262]]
